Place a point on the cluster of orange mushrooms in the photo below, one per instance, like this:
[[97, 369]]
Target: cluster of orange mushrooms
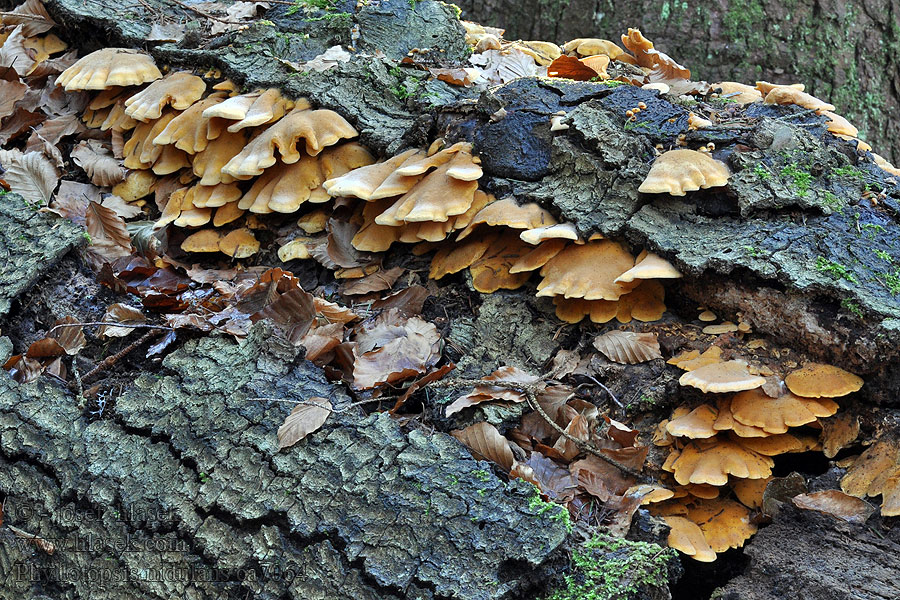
[[214, 156]]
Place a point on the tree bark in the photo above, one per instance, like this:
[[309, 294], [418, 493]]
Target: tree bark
[[845, 53]]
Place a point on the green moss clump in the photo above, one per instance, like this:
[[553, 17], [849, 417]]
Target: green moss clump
[[607, 568]]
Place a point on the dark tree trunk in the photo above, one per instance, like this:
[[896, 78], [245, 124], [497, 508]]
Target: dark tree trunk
[[846, 53]]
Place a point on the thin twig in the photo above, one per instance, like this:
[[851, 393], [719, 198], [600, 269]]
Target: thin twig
[[111, 324], [332, 410], [607, 390], [531, 392], [111, 360], [206, 14], [802, 113]]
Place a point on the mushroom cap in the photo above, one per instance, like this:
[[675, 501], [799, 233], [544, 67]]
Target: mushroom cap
[[213, 196], [593, 47], [872, 471], [194, 217], [822, 381], [294, 250], [171, 159], [208, 163], [509, 213], [775, 415], [137, 185], [692, 360], [651, 266], [712, 460], [789, 95], [730, 376], [140, 152], [687, 537], [726, 327], [538, 256], [750, 491], [739, 92], [573, 310], [838, 124], [781, 443], [372, 237], [267, 107], [726, 421], [205, 240], [679, 171], [644, 303], [587, 271], [491, 272], [178, 90], [452, 258], [107, 68], [423, 164], [560, 231], [437, 197], [227, 213], [240, 243], [320, 129], [191, 131], [725, 523], [697, 424], [764, 87], [283, 188], [367, 182]]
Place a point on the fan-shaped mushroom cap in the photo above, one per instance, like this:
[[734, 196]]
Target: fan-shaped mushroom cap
[[452, 258], [107, 68], [560, 231], [872, 471], [205, 240], [432, 160], [679, 171], [208, 163], [193, 217], [711, 461], [190, 131], [764, 87], [320, 129], [171, 159], [788, 95], [108, 97], [726, 421], [265, 107], [337, 161], [117, 120], [140, 152], [491, 271], [649, 266], [587, 271], [697, 424], [687, 537], [212, 196], [822, 381], [240, 243], [573, 310], [538, 256], [137, 185], [294, 250], [838, 124], [730, 376], [283, 188], [885, 165], [780, 443], [593, 47], [692, 360], [750, 491], [776, 415], [739, 92], [644, 303], [725, 523], [227, 213], [180, 90], [437, 197], [376, 181], [509, 213]]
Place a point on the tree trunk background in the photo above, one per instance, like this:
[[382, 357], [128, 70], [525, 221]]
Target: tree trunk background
[[846, 53]]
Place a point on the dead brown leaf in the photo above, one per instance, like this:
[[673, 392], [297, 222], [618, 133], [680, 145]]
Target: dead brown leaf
[[120, 313], [628, 347], [30, 175], [10, 93], [837, 504], [303, 420], [98, 162], [376, 282], [109, 234], [414, 348], [486, 443]]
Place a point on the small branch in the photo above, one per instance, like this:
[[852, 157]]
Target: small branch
[[207, 15], [332, 410], [111, 324], [607, 390], [111, 360]]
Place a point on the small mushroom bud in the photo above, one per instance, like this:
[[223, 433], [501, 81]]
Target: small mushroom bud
[[642, 105], [710, 147], [629, 113], [636, 110]]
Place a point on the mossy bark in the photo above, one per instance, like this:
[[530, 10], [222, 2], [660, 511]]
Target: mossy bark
[[845, 52]]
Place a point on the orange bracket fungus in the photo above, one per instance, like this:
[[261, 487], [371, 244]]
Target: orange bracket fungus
[[677, 172]]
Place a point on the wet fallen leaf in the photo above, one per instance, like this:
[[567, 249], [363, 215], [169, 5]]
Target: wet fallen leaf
[[303, 420]]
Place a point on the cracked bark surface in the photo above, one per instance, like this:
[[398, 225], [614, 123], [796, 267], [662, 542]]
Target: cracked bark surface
[[183, 493], [29, 241]]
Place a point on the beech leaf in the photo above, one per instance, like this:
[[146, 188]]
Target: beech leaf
[[837, 504], [30, 175], [99, 163], [486, 443], [109, 234], [628, 347], [303, 420]]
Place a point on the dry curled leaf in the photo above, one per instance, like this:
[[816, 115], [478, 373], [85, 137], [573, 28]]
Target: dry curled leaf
[[120, 313], [837, 504], [628, 347], [304, 419], [109, 234], [486, 443], [99, 163], [38, 541]]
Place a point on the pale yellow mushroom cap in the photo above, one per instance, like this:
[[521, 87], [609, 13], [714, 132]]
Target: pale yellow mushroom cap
[[679, 171], [109, 67]]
